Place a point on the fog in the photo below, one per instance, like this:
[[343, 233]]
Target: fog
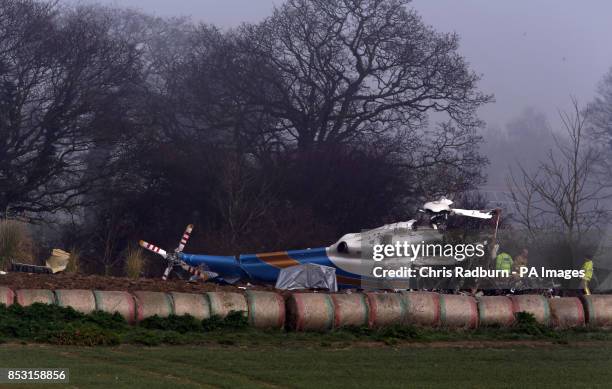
[[532, 55]]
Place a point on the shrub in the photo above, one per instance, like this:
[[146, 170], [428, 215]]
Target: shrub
[[112, 321], [235, 320], [144, 337], [180, 324], [15, 242], [134, 262], [527, 324], [81, 335], [74, 262]]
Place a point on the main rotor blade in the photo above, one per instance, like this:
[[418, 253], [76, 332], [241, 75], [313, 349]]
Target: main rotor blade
[[167, 272], [153, 248], [472, 213], [185, 238], [204, 275]]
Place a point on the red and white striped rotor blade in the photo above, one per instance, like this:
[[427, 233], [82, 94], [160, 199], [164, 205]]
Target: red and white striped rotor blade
[[195, 271], [167, 272], [153, 248], [185, 238]]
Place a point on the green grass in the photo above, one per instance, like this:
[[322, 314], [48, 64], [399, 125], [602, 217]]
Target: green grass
[[61, 326], [308, 367], [182, 352]]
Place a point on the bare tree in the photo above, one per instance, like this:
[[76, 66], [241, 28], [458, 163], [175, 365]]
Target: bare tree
[[563, 194], [601, 110], [342, 70], [63, 79]]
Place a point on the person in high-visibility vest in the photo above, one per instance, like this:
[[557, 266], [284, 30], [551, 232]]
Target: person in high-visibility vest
[[587, 267], [503, 261]]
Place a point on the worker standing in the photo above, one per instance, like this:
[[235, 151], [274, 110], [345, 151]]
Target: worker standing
[[587, 267], [503, 262]]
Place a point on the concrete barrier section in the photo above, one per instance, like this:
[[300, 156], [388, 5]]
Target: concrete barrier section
[[222, 303], [566, 312], [153, 304], [7, 296], [350, 310], [458, 311], [422, 308], [495, 310], [535, 304], [25, 297], [386, 309], [116, 301], [598, 310], [310, 312], [194, 304], [266, 309], [80, 300]]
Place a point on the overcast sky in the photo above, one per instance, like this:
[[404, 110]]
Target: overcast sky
[[531, 53]]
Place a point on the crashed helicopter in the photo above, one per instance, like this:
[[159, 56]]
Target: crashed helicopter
[[349, 255]]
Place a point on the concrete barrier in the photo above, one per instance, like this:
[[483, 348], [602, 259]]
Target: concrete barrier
[[458, 311], [7, 296], [422, 308], [310, 312], [80, 300], [386, 309], [566, 312], [116, 301], [535, 304], [25, 297], [153, 304], [222, 303], [194, 304], [322, 312], [350, 310], [495, 310], [266, 309], [598, 310]]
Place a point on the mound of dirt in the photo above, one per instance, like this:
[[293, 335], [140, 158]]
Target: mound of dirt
[[79, 281]]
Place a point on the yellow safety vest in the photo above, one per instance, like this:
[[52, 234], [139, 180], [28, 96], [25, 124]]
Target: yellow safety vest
[[504, 262], [587, 266]]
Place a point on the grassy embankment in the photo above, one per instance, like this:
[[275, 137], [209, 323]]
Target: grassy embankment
[[228, 353], [41, 323], [556, 366]]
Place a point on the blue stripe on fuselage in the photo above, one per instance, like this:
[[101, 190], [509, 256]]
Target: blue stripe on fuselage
[[252, 267]]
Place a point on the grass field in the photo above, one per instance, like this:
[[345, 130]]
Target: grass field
[[404, 366]]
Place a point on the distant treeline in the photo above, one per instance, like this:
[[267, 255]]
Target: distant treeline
[[286, 133]]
